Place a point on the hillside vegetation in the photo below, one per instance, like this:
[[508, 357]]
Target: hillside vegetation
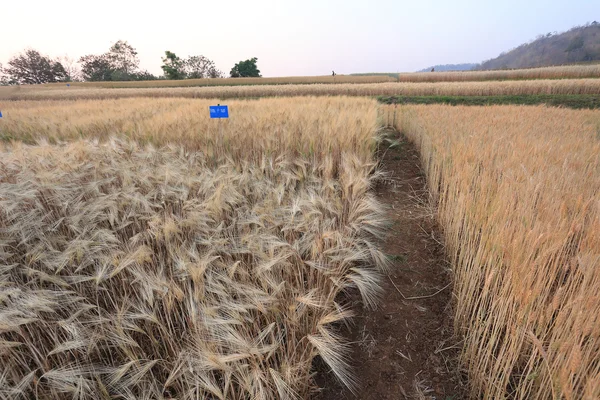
[[580, 44]]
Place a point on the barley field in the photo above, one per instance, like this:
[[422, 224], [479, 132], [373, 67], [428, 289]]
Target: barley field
[[307, 126], [284, 80], [490, 88], [518, 196], [148, 252], [558, 72]]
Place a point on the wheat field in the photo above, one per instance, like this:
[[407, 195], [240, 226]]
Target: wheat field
[[518, 196], [142, 260], [557, 72], [489, 88]]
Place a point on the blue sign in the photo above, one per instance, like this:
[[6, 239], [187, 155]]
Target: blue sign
[[219, 111]]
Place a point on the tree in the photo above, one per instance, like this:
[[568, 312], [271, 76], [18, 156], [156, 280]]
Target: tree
[[245, 69], [144, 76], [31, 67], [173, 66], [216, 73], [197, 67], [3, 77], [123, 57], [58, 73], [96, 68], [120, 63], [72, 71]]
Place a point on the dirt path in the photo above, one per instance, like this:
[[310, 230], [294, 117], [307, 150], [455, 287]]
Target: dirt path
[[405, 349]]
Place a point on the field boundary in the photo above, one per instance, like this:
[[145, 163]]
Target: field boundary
[[405, 348], [555, 100]]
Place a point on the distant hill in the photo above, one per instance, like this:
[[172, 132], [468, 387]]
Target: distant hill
[[577, 45], [450, 67]]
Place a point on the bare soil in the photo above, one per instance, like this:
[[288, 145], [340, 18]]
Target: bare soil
[[406, 348]]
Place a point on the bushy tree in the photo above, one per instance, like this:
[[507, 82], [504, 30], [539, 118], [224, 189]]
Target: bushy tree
[[197, 67], [124, 57], [120, 63], [31, 67], [144, 76], [245, 69], [96, 68], [217, 73], [3, 77], [173, 66]]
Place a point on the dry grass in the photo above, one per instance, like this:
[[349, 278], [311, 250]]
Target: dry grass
[[202, 269], [495, 88], [518, 192], [558, 72], [285, 80]]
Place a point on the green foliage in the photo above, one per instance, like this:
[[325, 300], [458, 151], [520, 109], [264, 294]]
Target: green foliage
[[31, 67], [96, 68], [245, 69], [173, 66], [144, 76]]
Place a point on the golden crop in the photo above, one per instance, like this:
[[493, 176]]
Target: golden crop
[[310, 127], [518, 195], [147, 251], [166, 255], [285, 80], [558, 72], [492, 88]]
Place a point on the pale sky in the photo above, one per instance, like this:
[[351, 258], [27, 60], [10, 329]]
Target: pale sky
[[307, 37]]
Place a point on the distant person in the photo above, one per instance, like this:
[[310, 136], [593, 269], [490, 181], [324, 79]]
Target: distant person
[[433, 69], [332, 73]]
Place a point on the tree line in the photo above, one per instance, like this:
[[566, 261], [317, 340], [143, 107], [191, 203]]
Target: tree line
[[119, 63]]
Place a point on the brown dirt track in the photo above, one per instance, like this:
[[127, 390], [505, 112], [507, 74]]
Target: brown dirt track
[[406, 348]]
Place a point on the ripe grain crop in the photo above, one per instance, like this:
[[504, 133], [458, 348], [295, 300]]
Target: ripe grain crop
[[518, 196], [490, 88], [183, 262], [311, 127], [558, 72], [284, 80]]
